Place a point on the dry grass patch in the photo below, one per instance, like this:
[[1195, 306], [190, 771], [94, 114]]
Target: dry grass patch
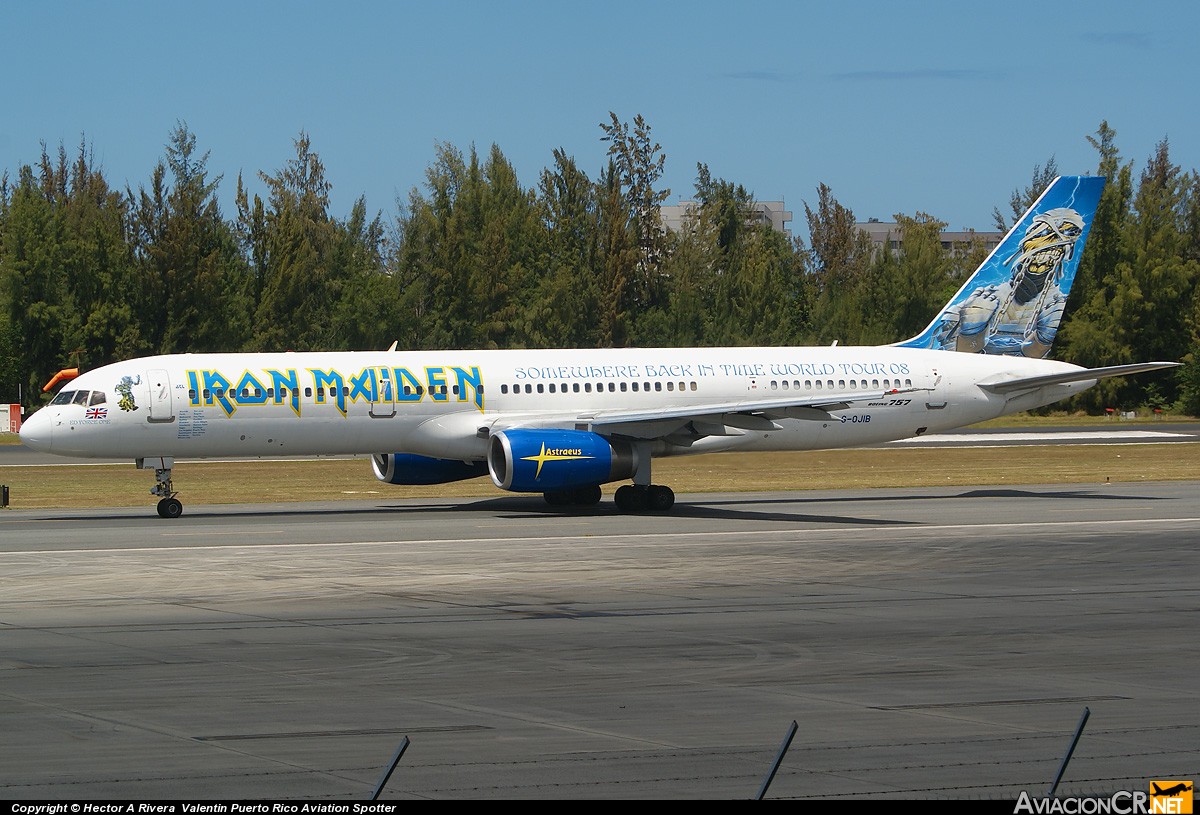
[[274, 481]]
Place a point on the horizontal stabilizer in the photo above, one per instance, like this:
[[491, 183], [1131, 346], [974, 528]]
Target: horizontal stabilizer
[[1081, 375]]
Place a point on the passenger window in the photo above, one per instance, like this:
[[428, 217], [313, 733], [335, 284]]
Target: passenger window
[[635, 387]]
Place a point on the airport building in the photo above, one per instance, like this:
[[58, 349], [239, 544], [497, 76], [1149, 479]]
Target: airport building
[[881, 233], [889, 234], [771, 213]]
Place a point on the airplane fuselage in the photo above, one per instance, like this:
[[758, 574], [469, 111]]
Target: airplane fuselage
[[443, 404]]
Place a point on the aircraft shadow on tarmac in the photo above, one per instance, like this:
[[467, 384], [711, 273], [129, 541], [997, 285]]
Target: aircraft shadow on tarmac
[[514, 509], [526, 507]]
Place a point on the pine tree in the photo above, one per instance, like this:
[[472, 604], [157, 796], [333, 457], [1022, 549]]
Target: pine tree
[[839, 254], [197, 289]]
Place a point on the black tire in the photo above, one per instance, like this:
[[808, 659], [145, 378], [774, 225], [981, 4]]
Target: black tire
[[170, 508], [631, 498], [586, 496], [660, 498], [558, 498]]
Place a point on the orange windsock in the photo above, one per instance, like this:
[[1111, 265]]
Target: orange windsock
[[61, 376]]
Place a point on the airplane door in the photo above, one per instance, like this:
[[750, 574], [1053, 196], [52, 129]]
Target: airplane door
[[384, 404], [161, 409]]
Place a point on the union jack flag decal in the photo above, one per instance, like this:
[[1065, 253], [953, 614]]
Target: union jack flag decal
[[96, 413]]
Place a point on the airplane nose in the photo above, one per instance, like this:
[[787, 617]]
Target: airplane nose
[[36, 432]]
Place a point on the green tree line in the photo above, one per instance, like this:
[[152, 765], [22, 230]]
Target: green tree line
[[474, 259]]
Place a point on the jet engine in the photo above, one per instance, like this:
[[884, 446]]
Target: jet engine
[[407, 468], [552, 461]]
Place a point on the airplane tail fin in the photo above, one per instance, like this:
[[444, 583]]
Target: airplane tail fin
[[1015, 300]]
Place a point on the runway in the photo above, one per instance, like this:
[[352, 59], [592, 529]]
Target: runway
[[932, 643], [1108, 432]]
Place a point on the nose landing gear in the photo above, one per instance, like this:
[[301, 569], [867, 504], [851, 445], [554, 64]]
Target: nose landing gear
[[169, 506]]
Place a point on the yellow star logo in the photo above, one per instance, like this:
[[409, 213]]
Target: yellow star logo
[[554, 454]]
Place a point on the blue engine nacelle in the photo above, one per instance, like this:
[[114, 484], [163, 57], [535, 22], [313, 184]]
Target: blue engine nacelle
[[556, 460], [407, 468]]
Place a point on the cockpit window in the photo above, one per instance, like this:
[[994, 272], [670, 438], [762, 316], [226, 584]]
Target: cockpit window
[[84, 398]]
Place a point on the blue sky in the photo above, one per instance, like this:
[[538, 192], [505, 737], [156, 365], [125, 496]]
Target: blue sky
[[940, 107]]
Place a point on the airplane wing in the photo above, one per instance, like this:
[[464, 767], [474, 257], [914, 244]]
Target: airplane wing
[[706, 419], [1003, 386]]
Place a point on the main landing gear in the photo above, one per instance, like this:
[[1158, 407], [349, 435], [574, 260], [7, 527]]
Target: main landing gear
[[640, 496], [628, 498], [169, 506], [580, 496], [643, 497]]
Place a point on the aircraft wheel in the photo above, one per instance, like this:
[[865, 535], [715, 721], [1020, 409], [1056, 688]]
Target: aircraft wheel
[[586, 496], [630, 498], [660, 498], [170, 508]]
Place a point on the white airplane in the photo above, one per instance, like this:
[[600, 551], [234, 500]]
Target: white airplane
[[563, 422]]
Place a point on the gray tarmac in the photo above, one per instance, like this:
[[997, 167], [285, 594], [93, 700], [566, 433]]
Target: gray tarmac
[[929, 643], [1107, 432]]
